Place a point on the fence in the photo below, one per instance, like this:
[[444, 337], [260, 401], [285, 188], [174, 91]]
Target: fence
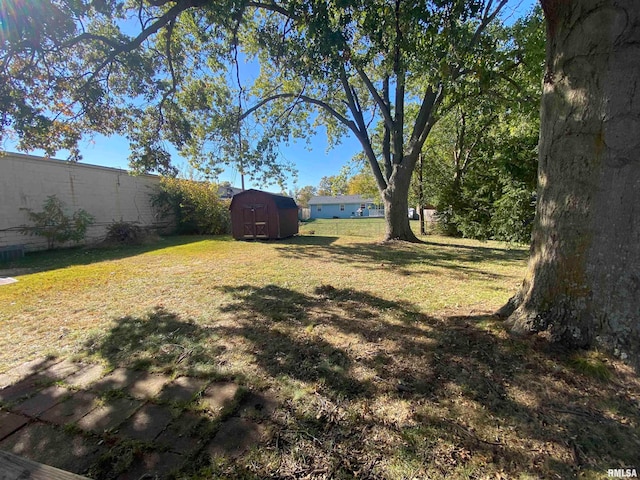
[[108, 194], [354, 227]]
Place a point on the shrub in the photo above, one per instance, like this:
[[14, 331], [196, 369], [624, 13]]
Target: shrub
[[197, 207], [55, 225], [125, 233]]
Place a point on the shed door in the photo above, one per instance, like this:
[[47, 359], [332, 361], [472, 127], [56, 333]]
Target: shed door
[[254, 220]]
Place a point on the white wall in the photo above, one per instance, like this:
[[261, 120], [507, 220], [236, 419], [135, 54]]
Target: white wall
[[108, 194]]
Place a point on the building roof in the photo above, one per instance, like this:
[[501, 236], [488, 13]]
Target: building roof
[[228, 192], [281, 201], [339, 200]]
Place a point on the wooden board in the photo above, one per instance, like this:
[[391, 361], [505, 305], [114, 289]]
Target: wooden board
[[13, 467]]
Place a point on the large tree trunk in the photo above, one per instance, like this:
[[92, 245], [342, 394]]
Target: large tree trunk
[[583, 278], [396, 206]]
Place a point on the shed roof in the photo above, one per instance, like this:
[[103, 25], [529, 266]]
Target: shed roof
[[340, 199], [281, 201]]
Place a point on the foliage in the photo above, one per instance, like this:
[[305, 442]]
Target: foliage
[[335, 185], [197, 206], [304, 194], [55, 225], [363, 184], [346, 65], [480, 160], [125, 233]]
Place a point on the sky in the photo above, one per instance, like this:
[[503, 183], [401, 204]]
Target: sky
[[312, 160]]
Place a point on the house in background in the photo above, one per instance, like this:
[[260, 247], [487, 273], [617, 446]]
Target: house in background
[[227, 191], [343, 206]]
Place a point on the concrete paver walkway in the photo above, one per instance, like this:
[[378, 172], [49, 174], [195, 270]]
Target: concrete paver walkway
[[124, 423]]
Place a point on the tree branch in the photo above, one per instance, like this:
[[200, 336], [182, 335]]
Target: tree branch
[[272, 7], [174, 87], [361, 130], [425, 112], [386, 137], [384, 107], [314, 101], [420, 133], [162, 21], [91, 36], [487, 18]]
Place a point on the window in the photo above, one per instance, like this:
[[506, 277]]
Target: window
[[362, 206], [342, 207], [319, 208]]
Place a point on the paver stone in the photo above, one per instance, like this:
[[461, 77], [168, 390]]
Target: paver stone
[[26, 387], [10, 422], [42, 401], [153, 465], [182, 389], [72, 409], [234, 437], [52, 446], [147, 385], [258, 405], [29, 368], [147, 422], [62, 369], [110, 415], [85, 376], [181, 436], [219, 395]]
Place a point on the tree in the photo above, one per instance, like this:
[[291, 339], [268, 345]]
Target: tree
[[55, 225], [364, 184], [304, 194], [479, 162], [346, 64], [582, 282], [335, 185]]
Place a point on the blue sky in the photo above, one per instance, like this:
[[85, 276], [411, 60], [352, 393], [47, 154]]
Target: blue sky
[[312, 160]]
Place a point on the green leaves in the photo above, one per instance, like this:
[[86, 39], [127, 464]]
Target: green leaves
[[196, 205], [226, 82], [54, 224]]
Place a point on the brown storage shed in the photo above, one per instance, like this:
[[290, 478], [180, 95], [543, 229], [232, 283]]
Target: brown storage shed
[[262, 215]]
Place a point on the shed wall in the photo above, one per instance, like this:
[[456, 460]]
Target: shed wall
[[288, 222], [281, 222]]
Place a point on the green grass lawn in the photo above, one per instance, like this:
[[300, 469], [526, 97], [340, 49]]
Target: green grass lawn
[[385, 359], [353, 227]]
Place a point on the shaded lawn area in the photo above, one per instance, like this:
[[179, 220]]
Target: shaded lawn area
[[384, 360]]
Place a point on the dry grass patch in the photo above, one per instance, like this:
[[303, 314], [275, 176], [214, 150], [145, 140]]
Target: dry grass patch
[[384, 360]]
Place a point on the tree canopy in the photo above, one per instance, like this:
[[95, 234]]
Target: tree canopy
[[480, 160], [170, 71]]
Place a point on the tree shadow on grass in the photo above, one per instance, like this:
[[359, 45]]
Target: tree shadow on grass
[[456, 390], [161, 341], [402, 257], [42, 261], [373, 388]]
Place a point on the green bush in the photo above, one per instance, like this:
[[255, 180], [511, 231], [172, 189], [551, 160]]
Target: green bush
[[197, 207], [55, 225]]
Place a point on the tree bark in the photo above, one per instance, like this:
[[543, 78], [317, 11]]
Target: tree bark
[[396, 205], [583, 277]]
